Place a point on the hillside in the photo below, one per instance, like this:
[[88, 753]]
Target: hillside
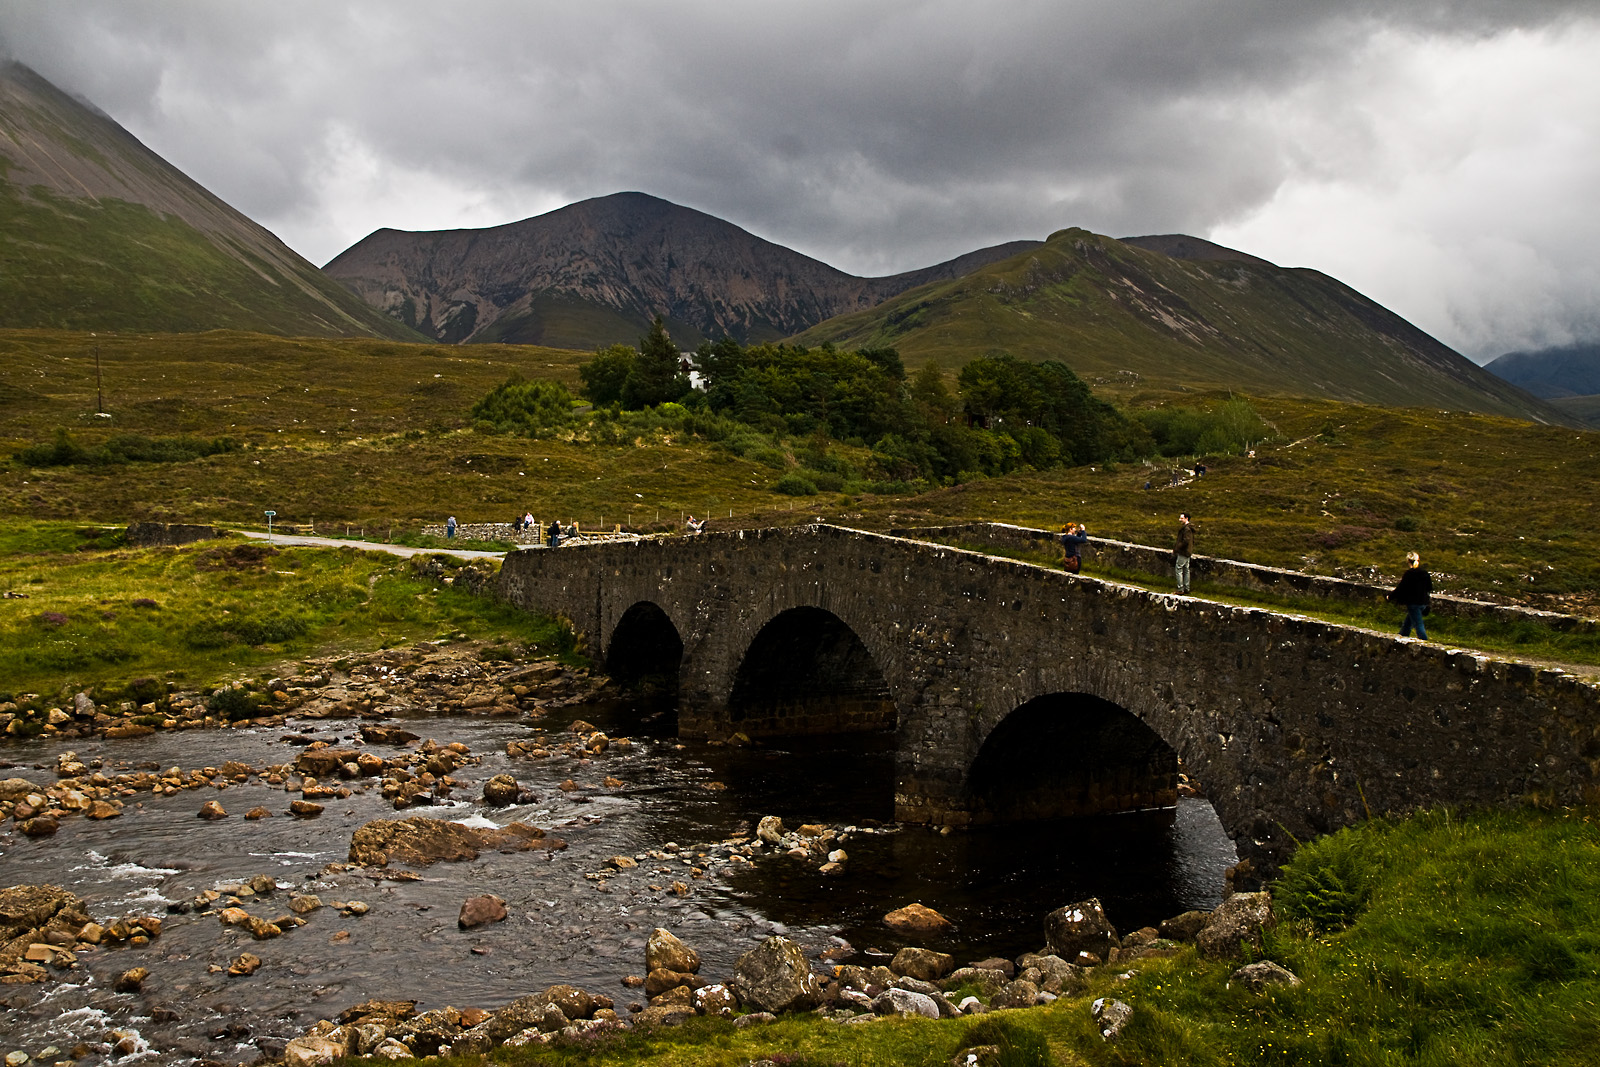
[[98, 232], [596, 272], [1176, 312]]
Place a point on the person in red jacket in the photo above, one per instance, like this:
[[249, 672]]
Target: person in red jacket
[[1412, 593]]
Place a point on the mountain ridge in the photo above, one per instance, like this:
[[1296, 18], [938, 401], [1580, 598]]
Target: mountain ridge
[[1119, 313], [101, 232], [598, 270]]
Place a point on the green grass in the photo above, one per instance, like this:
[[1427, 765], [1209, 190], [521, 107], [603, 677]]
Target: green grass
[[97, 615], [72, 263]]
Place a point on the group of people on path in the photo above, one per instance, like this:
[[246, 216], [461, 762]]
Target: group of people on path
[[1413, 592]]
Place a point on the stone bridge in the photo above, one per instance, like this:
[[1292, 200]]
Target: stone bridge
[[1015, 691]]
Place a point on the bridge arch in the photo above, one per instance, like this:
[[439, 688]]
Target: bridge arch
[[807, 671], [645, 647], [1068, 754]]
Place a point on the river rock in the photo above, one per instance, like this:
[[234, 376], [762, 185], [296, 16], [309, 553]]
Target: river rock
[[392, 1049], [104, 809], [211, 810], [664, 950], [770, 830], [1111, 1017], [674, 996], [715, 999], [481, 910], [905, 1002], [325, 762], [420, 841], [40, 826], [1259, 977], [1185, 927], [775, 976], [247, 963], [916, 919], [1017, 993], [37, 913], [14, 789], [1052, 974], [1238, 922], [304, 903], [312, 1052], [131, 980], [304, 809], [986, 980], [658, 1015], [662, 980], [1080, 927], [923, 963], [501, 790], [258, 812]]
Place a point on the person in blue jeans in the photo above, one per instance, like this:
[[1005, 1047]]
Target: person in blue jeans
[[450, 526], [1412, 594]]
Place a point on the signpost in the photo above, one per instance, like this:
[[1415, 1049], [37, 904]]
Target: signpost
[[270, 513]]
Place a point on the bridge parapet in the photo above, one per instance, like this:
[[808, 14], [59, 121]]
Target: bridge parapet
[[1293, 726]]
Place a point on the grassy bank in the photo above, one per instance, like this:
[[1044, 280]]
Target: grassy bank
[[1439, 940], [91, 613]]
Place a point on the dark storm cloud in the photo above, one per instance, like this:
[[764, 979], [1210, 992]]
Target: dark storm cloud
[[877, 137]]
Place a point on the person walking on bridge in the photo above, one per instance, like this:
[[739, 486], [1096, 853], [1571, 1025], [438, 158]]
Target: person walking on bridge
[[1182, 551], [1413, 592]]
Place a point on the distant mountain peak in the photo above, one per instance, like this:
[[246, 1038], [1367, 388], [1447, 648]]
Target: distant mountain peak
[[598, 270]]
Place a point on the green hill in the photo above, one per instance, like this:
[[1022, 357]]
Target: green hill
[[1170, 313], [97, 232]]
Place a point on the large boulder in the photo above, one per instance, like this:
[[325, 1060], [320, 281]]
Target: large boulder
[[775, 976], [1185, 927], [916, 919], [663, 951], [419, 841], [1080, 927], [1238, 922]]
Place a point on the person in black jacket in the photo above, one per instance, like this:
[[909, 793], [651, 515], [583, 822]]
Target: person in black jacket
[[1073, 538], [1412, 593]]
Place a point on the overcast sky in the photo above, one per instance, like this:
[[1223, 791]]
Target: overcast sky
[[1444, 158]]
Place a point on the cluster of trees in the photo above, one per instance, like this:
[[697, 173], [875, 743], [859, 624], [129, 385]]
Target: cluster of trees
[[999, 415]]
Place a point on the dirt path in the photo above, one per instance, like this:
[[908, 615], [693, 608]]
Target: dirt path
[[368, 546]]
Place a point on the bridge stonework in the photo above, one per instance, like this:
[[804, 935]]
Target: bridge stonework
[[1293, 727]]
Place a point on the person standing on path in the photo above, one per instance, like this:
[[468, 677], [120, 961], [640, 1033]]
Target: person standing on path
[[450, 527], [555, 533], [1182, 551], [1073, 538], [1415, 587]]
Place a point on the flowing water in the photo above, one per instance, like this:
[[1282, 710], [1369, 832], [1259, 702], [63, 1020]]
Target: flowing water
[[679, 800]]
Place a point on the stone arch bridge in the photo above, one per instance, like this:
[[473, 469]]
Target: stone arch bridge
[[1015, 691]]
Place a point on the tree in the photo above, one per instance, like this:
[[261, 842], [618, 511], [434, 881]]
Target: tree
[[604, 375], [657, 375]]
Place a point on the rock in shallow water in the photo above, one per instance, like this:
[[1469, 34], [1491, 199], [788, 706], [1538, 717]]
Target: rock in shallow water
[[916, 919], [481, 910]]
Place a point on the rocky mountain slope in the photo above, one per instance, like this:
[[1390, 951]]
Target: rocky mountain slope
[[1176, 312], [98, 232], [598, 271]]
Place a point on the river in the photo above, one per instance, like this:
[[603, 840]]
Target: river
[[679, 800]]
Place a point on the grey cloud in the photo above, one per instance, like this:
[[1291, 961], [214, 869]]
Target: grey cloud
[[878, 137]]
